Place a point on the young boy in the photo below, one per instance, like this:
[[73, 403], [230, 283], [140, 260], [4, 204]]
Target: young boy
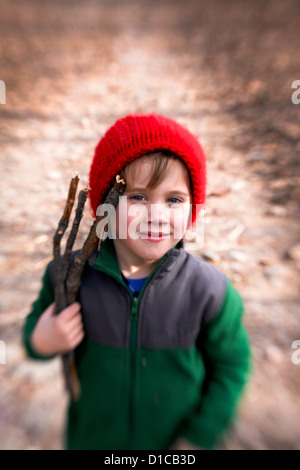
[[160, 349]]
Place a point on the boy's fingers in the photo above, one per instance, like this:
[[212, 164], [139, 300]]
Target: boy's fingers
[[77, 339], [78, 332], [75, 324], [49, 312], [70, 312]]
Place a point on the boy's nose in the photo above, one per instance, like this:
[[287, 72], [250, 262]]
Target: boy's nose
[[159, 214]]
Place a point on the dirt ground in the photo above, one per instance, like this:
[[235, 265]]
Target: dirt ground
[[223, 69]]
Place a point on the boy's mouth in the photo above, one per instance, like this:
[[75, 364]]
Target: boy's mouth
[[154, 236]]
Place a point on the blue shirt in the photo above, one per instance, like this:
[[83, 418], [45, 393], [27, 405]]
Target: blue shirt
[[135, 285]]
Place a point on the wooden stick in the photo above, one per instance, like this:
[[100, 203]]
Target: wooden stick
[[69, 369], [74, 277], [68, 284], [82, 197], [59, 290]]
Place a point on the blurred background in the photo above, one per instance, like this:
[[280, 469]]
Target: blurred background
[[225, 70]]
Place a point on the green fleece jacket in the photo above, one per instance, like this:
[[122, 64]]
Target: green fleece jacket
[[170, 362]]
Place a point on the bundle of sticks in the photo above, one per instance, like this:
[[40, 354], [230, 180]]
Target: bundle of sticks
[[67, 278]]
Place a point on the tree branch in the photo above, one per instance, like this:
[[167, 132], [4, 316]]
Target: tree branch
[[82, 197], [74, 276], [67, 283], [59, 291]]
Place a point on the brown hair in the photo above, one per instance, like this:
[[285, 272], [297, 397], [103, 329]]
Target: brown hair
[[161, 162]]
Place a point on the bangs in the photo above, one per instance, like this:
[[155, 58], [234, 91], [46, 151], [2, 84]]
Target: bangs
[[161, 163]]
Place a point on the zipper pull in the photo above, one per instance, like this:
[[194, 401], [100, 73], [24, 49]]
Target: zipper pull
[[134, 309]]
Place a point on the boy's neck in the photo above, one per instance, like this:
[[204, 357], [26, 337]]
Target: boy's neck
[[134, 268], [136, 271], [139, 273]]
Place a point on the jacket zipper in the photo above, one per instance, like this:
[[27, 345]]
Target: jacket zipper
[[133, 350], [133, 342], [134, 316]]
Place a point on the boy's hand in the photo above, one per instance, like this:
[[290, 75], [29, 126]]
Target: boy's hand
[[58, 334]]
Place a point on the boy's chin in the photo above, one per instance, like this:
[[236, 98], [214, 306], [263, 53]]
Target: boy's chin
[[155, 250], [145, 249]]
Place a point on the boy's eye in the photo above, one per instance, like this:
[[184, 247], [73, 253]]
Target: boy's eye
[[137, 197], [140, 198], [173, 200]]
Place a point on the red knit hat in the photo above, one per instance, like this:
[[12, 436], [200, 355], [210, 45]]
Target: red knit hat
[[136, 135]]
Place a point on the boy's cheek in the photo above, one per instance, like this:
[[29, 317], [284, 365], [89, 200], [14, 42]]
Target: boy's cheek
[[134, 227], [130, 226], [179, 222]]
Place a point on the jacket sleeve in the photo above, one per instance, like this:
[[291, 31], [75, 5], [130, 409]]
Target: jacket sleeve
[[227, 354], [46, 297]]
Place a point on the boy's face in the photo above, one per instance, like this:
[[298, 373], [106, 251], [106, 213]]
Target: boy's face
[[151, 221]]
